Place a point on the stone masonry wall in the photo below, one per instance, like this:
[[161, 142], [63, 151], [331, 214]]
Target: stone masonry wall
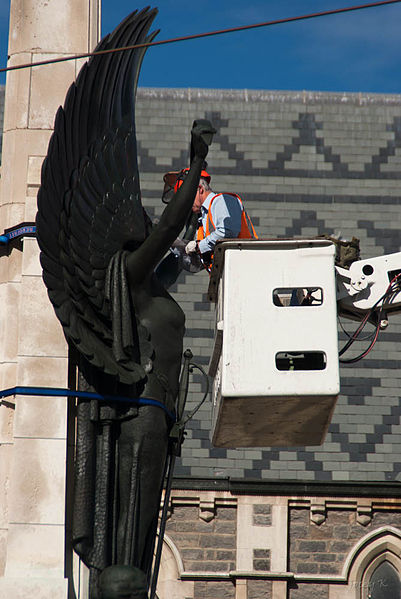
[[259, 589], [295, 548], [308, 591], [2, 90], [214, 590], [322, 549], [204, 546]]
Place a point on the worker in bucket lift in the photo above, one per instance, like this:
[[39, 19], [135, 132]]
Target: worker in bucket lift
[[221, 216]]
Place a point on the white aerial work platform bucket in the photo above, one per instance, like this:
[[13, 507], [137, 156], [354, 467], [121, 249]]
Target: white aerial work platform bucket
[[275, 359]]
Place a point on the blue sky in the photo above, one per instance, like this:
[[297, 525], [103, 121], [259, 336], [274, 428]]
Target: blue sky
[[353, 52]]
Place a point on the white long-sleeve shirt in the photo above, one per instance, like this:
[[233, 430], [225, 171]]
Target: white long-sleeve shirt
[[226, 211]]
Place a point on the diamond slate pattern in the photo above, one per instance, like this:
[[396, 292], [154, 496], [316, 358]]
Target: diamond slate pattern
[[305, 164]]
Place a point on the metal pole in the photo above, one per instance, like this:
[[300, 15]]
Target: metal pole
[[176, 437]]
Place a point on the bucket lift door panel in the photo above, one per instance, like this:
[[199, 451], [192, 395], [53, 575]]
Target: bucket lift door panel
[[276, 354]]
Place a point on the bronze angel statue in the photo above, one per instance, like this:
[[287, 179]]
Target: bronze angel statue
[[99, 253]]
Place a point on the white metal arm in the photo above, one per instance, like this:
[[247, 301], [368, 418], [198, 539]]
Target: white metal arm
[[371, 284]]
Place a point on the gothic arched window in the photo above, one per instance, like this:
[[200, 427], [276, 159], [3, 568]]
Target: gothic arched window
[[384, 582]]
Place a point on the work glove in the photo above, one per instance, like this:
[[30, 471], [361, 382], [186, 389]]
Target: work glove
[[191, 247]]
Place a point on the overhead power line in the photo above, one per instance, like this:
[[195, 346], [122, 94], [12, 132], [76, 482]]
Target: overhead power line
[[185, 38]]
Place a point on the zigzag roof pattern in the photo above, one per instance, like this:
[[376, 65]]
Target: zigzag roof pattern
[[304, 164]]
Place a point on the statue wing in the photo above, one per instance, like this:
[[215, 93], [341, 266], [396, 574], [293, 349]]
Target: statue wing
[[89, 206]]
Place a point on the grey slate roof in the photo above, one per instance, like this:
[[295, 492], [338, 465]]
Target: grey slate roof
[[305, 164]]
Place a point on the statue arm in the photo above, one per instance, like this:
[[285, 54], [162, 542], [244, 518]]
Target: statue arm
[[144, 260]]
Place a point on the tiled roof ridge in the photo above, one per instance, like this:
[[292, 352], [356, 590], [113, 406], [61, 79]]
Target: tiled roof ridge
[[256, 95]]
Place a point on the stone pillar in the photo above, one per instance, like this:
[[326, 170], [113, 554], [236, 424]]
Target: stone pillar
[[32, 347]]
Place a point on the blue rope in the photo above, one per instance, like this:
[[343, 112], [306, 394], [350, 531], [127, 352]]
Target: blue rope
[[57, 392], [19, 231]]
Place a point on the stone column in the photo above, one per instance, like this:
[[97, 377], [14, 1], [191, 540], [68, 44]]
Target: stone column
[[32, 347]]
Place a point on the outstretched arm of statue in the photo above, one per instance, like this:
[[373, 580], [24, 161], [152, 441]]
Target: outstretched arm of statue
[[143, 260]]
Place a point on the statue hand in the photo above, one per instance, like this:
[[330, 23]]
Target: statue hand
[[201, 137]]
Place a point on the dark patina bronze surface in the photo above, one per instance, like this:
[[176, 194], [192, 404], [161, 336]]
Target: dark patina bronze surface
[[99, 253]]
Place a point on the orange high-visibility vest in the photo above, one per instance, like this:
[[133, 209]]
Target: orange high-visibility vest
[[247, 230]]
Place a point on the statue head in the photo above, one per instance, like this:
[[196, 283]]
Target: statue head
[[123, 582]]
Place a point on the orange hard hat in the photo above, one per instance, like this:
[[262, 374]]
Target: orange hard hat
[[204, 174], [174, 179]]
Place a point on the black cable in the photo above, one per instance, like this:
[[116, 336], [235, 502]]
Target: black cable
[[191, 414], [365, 353], [335, 11], [351, 336], [355, 335], [392, 290]]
